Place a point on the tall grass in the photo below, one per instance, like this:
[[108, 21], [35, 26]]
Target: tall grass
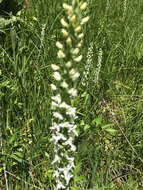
[[109, 145]]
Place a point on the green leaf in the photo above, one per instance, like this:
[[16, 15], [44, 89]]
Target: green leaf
[[13, 137], [77, 168], [75, 188], [82, 122], [106, 126], [2, 31], [111, 131], [2, 157], [47, 155], [79, 178], [16, 158], [19, 154], [86, 127], [84, 94], [97, 121]]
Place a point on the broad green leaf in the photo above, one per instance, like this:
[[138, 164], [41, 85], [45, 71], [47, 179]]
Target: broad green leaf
[[78, 167], [2, 31], [86, 127], [84, 94], [97, 121], [79, 178], [47, 155], [82, 122], [19, 154], [111, 131], [106, 126], [16, 158], [13, 137], [2, 157]]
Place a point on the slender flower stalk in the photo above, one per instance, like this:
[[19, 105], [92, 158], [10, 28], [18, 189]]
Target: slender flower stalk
[[42, 35], [88, 65], [107, 7], [97, 72], [65, 76], [124, 9]]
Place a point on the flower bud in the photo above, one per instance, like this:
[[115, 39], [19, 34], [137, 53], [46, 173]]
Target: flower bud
[[55, 67], [72, 19], [64, 32], [53, 87], [57, 76], [68, 64], [78, 29], [79, 44], [61, 54], [68, 41], [80, 36], [75, 76], [68, 8], [83, 6], [72, 72], [75, 51], [64, 23], [78, 59], [73, 92], [64, 84], [84, 20], [59, 45]]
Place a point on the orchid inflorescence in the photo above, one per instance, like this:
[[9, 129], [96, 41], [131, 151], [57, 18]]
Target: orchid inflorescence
[[87, 67], [65, 75]]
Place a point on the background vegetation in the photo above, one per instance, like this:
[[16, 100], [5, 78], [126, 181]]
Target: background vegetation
[[110, 110]]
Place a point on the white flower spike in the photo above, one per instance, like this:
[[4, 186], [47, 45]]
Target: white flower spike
[[64, 91]]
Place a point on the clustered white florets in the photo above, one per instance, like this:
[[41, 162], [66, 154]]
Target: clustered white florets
[[64, 114]]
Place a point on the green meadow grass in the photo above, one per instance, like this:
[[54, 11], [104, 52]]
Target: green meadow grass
[[110, 111]]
